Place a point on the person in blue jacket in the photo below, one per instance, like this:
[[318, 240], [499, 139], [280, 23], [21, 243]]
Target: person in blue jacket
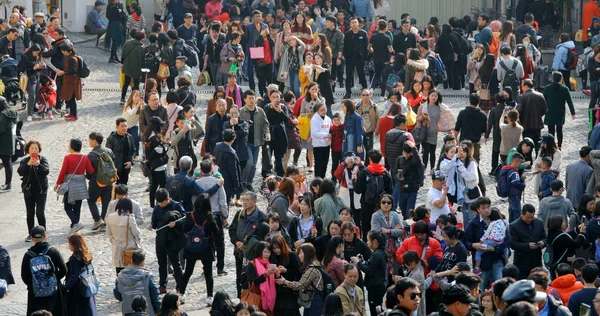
[[561, 56]]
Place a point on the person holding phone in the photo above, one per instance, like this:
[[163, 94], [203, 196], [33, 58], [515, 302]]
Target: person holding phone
[[34, 171]]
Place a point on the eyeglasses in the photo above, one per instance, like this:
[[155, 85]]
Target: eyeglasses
[[413, 295], [386, 202]]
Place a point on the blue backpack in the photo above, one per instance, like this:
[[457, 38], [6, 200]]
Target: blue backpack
[[44, 280], [88, 283], [503, 184], [436, 69], [197, 239]]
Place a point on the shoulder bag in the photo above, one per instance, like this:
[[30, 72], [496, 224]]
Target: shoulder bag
[[63, 188], [249, 296], [305, 297], [127, 253], [549, 253]]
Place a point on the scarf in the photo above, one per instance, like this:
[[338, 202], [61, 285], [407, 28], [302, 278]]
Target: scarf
[[375, 168], [238, 95], [135, 16], [267, 288]]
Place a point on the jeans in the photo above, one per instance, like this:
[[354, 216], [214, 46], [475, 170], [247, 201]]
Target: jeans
[[189, 270], [72, 210], [214, 72], [126, 83], [556, 130], [490, 276], [467, 214], [35, 203], [97, 192], [135, 134], [8, 168], [406, 202], [294, 83], [250, 170], [159, 180], [491, 243], [351, 144], [162, 253], [514, 207], [32, 87], [321, 160], [316, 308]]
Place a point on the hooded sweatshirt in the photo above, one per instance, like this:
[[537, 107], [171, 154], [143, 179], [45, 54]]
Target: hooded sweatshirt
[[555, 205], [137, 281], [566, 285]]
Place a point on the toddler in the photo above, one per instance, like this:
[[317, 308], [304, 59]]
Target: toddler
[[547, 176], [494, 235]]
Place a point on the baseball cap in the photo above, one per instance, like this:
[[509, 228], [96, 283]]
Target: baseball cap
[[523, 290], [38, 232], [438, 175], [188, 15], [457, 293], [39, 14], [595, 19], [97, 3]]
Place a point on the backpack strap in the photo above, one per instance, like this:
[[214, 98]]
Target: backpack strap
[[503, 65], [514, 66]]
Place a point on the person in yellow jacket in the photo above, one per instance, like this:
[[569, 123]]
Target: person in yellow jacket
[[352, 297]]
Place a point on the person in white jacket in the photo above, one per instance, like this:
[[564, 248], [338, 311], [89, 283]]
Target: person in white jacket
[[467, 179], [321, 139], [121, 191], [123, 231]]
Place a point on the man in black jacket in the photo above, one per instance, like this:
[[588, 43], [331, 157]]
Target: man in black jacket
[[97, 190], [228, 160], [404, 39], [394, 140], [122, 146], [471, 124], [214, 44], [57, 60], [356, 42], [214, 126], [528, 238]]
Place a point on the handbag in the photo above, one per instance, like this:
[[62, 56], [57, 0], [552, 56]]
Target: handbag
[[304, 126], [23, 81], [484, 91], [305, 297], [250, 297], [163, 71], [63, 188], [127, 253], [257, 52], [419, 134], [473, 193]]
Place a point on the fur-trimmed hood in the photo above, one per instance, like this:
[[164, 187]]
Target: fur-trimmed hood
[[421, 64]]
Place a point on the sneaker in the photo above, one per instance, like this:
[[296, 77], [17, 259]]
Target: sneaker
[[36, 116], [477, 271], [181, 299], [77, 227], [162, 290], [209, 301], [50, 116], [221, 272], [28, 239], [5, 188], [29, 118], [311, 170], [97, 225], [71, 118], [67, 116], [122, 101]]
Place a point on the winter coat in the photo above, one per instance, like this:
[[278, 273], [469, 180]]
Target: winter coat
[[353, 126], [284, 63], [410, 170], [116, 229], [555, 101], [327, 208], [8, 130], [241, 140], [473, 234], [279, 203], [563, 246], [243, 224], [577, 178], [76, 303], [394, 141], [494, 127], [561, 55], [5, 266], [132, 56], [277, 121], [351, 305], [413, 66], [555, 205], [56, 57], [193, 133], [566, 285], [261, 125], [360, 185], [531, 106], [134, 281], [379, 221], [113, 142], [229, 164], [214, 131], [35, 179], [521, 234], [26, 65], [71, 86], [229, 52], [146, 115]]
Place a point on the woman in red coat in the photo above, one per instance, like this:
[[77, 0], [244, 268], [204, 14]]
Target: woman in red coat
[[71, 86], [386, 123]]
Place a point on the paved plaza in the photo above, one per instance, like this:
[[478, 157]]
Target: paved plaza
[[98, 111]]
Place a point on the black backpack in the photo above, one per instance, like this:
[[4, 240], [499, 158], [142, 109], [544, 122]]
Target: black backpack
[[176, 188], [83, 71], [510, 76], [150, 60], [375, 186], [328, 284], [465, 47], [190, 53]]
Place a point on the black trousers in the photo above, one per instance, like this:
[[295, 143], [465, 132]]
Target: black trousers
[[352, 64], [220, 243], [8, 168], [535, 135], [162, 253], [366, 213], [368, 144], [189, 270], [429, 155], [159, 180], [376, 294], [265, 76], [35, 203], [266, 163], [97, 192], [554, 130], [567, 78], [239, 262], [377, 76], [127, 82], [59, 81], [495, 155], [336, 159], [123, 176], [72, 105], [321, 160]]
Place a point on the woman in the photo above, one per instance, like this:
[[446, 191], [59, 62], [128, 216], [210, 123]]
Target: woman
[[487, 307], [488, 80], [167, 56], [76, 303], [115, 37], [170, 306], [292, 62], [236, 27], [132, 57], [264, 66], [473, 65], [353, 131], [429, 115], [396, 96], [432, 36], [260, 277], [305, 75], [322, 46], [332, 262], [156, 155], [72, 174], [301, 30], [222, 305], [561, 57], [446, 47], [151, 49], [525, 147], [305, 227], [468, 179], [322, 76], [375, 281], [260, 233], [506, 37], [428, 85], [122, 231], [136, 20], [281, 200], [416, 67], [386, 123], [333, 303], [455, 251], [528, 67], [389, 224], [279, 143], [585, 212], [30, 64], [34, 170], [286, 301], [212, 103], [71, 89], [320, 137], [277, 228], [415, 95], [292, 132], [594, 73], [173, 108], [548, 149], [328, 205], [563, 244], [311, 279], [353, 246], [556, 95], [510, 133], [131, 112], [200, 222], [281, 42]]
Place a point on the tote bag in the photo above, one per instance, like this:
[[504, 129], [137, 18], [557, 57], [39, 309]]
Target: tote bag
[[304, 126], [163, 71]]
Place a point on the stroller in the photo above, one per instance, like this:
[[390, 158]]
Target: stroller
[[9, 75], [46, 97]]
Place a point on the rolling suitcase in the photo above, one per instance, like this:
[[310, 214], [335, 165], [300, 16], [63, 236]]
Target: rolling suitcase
[[541, 77]]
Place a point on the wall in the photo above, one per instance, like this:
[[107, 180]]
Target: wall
[[422, 10]]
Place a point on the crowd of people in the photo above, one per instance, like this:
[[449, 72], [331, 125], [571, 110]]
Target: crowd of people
[[349, 240]]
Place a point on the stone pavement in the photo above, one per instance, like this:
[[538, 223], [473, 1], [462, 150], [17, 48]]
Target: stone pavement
[[99, 109]]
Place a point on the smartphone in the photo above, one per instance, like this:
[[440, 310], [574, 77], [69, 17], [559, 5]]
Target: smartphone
[[186, 122], [34, 156]]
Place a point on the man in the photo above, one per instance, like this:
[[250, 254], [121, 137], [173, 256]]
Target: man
[[380, 45], [590, 10], [121, 144], [565, 282], [280, 15], [54, 12], [527, 29], [38, 24], [219, 209], [367, 109], [187, 31], [182, 187], [96, 189], [170, 239], [212, 58], [428, 248], [408, 295], [242, 226], [522, 291], [214, 126], [471, 124], [35, 281], [21, 44], [229, 164], [578, 175], [550, 305], [394, 141], [404, 39], [492, 259], [336, 43], [342, 23], [437, 196], [528, 238], [589, 274], [252, 34], [484, 37], [457, 301], [258, 134], [93, 24], [352, 297], [355, 54], [509, 70], [532, 107], [471, 282], [457, 73], [57, 63], [555, 204], [6, 42], [136, 280], [183, 70], [592, 31], [362, 9], [121, 191], [360, 182], [153, 109]]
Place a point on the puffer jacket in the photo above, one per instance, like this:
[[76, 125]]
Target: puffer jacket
[[410, 172], [394, 141], [114, 143], [137, 281], [561, 55], [566, 285], [413, 66]]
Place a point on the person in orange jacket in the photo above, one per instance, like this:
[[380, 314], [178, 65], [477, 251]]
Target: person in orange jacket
[[565, 282], [422, 242], [590, 10]]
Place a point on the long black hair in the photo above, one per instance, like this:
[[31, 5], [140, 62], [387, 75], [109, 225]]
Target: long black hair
[[332, 245], [223, 304], [332, 305], [485, 72]]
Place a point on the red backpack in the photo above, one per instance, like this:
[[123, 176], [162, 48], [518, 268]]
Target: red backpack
[[572, 59]]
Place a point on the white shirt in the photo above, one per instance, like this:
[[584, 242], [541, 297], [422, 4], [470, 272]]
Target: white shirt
[[432, 196], [319, 130]]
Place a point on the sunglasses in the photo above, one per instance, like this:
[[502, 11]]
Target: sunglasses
[[413, 295], [386, 202]]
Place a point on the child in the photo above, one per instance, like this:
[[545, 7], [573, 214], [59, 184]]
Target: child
[[346, 216], [494, 235], [449, 140], [337, 136], [512, 186], [46, 96], [414, 269], [547, 176]]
